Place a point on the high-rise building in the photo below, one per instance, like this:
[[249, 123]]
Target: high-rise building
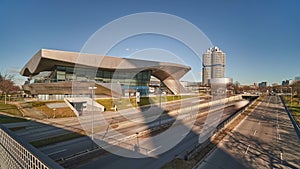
[[213, 64], [262, 85], [285, 83]]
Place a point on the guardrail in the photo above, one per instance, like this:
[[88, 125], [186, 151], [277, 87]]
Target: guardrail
[[14, 153], [295, 124], [199, 146]]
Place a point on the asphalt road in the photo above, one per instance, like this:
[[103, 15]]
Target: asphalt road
[[189, 140], [66, 149], [57, 151], [264, 139]]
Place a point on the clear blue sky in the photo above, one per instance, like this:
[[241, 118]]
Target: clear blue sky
[[261, 38]]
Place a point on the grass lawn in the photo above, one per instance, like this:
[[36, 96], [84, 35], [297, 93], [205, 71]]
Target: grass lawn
[[56, 139], [295, 108], [58, 113], [125, 103], [179, 163], [7, 119], [10, 109], [296, 112]]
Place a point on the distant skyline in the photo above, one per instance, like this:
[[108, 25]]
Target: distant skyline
[[260, 38]]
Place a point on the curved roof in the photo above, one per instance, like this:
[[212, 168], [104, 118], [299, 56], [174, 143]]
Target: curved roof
[[46, 60]]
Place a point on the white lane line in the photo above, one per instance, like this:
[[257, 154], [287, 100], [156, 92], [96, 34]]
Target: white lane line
[[154, 149], [197, 101], [59, 151], [185, 134], [254, 132], [247, 149]]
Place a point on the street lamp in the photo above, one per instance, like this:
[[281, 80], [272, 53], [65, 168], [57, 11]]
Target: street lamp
[[5, 98], [291, 95], [93, 90], [9, 98], [160, 93], [54, 112], [137, 138]]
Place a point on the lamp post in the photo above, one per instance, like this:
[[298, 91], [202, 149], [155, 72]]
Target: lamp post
[[160, 92], [291, 95], [4, 97], [137, 138], [54, 112], [93, 90]]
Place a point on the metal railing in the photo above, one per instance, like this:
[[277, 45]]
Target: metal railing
[[14, 153]]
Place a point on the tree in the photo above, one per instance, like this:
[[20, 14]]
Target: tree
[[234, 87], [7, 85], [296, 88]]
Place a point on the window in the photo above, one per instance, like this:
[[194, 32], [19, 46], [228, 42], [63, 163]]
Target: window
[[61, 75]]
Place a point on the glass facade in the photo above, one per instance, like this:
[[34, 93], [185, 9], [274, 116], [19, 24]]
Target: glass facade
[[129, 80]]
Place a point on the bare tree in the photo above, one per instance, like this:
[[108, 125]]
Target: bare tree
[[233, 87], [7, 85], [296, 88]]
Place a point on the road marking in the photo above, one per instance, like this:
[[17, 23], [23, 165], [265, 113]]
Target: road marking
[[197, 101], [247, 149], [59, 151], [185, 134], [254, 132], [154, 149]]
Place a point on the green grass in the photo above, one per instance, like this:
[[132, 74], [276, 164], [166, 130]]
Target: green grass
[[17, 128], [178, 164], [42, 103], [125, 103], [7, 119], [294, 108], [10, 109], [56, 139], [41, 106]]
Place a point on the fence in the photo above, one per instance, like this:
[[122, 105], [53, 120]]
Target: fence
[[198, 147], [14, 153]]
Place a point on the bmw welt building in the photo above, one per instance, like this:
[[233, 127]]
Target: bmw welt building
[[55, 75]]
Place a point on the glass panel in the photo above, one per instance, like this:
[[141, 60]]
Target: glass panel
[[61, 76]]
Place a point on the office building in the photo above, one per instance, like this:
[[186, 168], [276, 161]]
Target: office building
[[214, 61]]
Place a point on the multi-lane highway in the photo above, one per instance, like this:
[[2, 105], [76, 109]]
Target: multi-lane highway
[[265, 139], [127, 127], [188, 142]]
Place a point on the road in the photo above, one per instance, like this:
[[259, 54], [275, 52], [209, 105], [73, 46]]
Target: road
[[189, 140], [68, 148], [264, 139]]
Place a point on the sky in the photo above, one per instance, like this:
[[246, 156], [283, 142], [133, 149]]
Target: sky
[[260, 37]]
